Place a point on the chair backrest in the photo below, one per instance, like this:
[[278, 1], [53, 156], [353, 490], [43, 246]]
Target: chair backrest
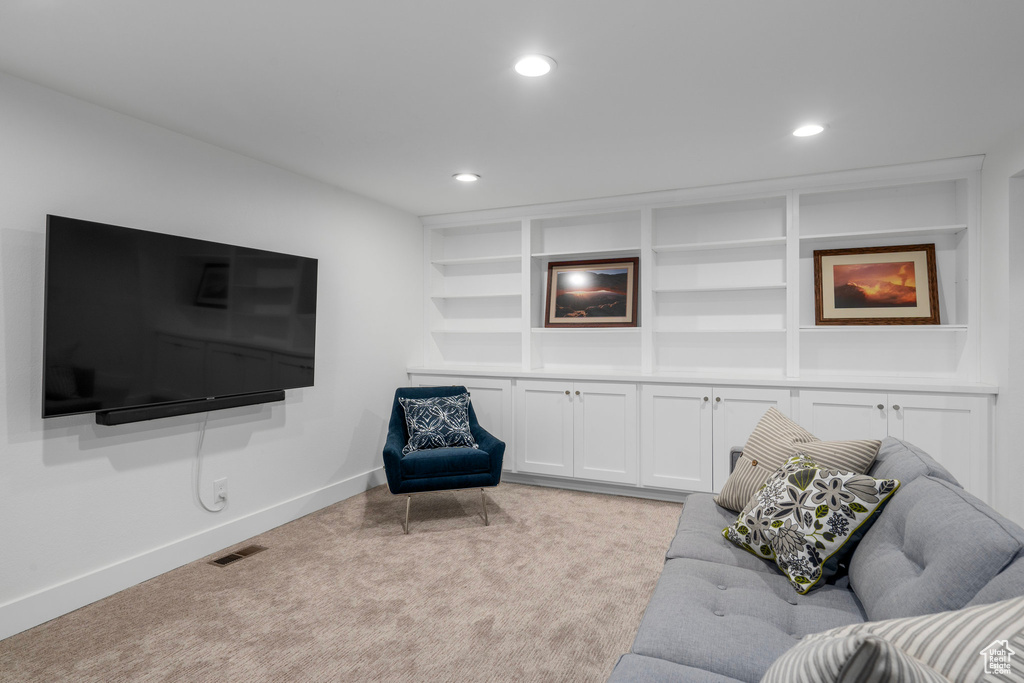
[[397, 423]]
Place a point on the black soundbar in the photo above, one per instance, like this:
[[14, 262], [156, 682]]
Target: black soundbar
[[122, 416]]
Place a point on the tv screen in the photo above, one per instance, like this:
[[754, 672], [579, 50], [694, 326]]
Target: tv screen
[[136, 318]]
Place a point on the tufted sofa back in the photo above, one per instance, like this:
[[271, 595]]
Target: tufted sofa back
[[933, 548], [904, 461]]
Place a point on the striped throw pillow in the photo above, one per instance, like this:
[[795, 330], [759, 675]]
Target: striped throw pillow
[[962, 645], [774, 440], [852, 659]]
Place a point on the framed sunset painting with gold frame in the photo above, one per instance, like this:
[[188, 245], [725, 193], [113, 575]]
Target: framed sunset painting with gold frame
[[876, 286]]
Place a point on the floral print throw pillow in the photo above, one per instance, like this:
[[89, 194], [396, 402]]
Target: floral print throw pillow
[[807, 518]]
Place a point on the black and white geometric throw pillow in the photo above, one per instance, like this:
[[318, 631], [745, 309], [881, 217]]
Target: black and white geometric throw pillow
[[437, 422]]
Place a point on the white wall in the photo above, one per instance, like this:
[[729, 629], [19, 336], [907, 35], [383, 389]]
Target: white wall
[[88, 510], [1003, 313]]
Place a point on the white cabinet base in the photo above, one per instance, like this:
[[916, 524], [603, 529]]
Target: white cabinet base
[[605, 432], [577, 429], [589, 486], [652, 438], [492, 403], [675, 437], [952, 429], [544, 427], [737, 412]]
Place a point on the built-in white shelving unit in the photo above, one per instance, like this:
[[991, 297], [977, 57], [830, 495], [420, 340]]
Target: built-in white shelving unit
[[473, 286], [726, 279], [719, 284], [940, 210]]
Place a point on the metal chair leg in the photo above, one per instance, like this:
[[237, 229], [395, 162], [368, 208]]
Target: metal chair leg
[[484, 504], [408, 502]]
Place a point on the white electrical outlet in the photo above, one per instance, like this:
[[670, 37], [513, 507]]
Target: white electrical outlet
[[220, 490]]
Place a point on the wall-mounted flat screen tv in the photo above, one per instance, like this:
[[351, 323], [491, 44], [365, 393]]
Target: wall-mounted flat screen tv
[[136, 319]]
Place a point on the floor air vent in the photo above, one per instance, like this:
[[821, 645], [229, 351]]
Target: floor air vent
[[237, 555]]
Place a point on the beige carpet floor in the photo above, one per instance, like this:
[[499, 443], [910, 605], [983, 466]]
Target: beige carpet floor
[[552, 590]]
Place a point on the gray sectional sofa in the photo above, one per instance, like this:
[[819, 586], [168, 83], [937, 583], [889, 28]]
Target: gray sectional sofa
[[719, 613]]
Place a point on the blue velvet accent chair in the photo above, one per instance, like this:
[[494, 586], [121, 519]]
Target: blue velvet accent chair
[[439, 469]]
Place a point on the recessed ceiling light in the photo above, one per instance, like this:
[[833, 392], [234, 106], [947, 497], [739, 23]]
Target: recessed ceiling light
[[532, 66], [808, 130], [466, 177]]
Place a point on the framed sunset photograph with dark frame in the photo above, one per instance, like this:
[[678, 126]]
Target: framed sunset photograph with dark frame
[[601, 293], [876, 286]]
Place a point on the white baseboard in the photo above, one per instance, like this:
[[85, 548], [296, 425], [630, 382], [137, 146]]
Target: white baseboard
[[31, 610], [594, 486]]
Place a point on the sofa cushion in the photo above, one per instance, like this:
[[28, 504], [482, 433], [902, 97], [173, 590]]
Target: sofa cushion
[[774, 440], [849, 659], [734, 621], [807, 518], [639, 669], [933, 549], [699, 536], [444, 462], [437, 422], [1009, 583], [956, 643], [900, 460]]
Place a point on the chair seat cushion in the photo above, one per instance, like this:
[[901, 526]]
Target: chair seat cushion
[[444, 462]]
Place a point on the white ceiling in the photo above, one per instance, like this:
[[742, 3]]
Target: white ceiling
[[389, 98]]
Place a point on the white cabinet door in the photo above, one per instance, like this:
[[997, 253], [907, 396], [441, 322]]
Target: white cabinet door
[[844, 415], [492, 403], [676, 437], [952, 429], [605, 438], [736, 412], [544, 427]]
